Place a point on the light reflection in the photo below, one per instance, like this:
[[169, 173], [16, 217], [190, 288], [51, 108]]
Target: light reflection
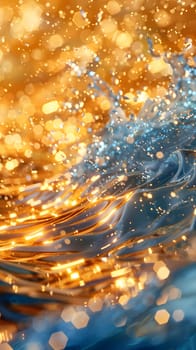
[[67, 76]]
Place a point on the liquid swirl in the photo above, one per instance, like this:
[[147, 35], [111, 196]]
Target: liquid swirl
[[111, 240]]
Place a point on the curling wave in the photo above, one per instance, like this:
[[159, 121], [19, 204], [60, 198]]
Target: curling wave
[[112, 241]]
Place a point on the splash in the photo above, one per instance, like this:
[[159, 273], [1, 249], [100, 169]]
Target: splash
[[106, 254]]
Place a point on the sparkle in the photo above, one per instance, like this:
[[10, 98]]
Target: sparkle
[[178, 315], [58, 341], [95, 304], [96, 108], [162, 317], [50, 107], [80, 319]]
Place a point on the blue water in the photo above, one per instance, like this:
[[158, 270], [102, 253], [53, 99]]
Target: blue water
[[157, 214]]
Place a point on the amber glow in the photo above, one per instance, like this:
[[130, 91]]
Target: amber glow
[[49, 114]]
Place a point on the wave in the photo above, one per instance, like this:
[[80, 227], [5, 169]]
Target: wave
[[104, 254]]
